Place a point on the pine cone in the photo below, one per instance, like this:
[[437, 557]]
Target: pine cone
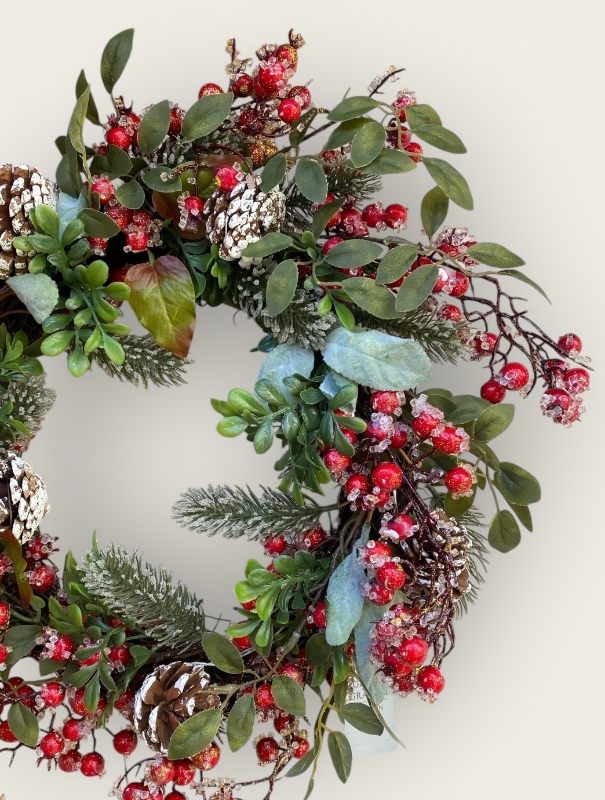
[[242, 216], [21, 189], [23, 497], [170, 695]]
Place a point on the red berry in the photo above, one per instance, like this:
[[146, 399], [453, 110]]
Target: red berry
[[289, 110], [493, 392], [267, 749], [6, 565], [385, 402], [263, 697], [571, 343], [142, 219], [300, 747], [350, 435], [393, 136], [331, 243], [125, 742], [97, 245], [104, 188], [294, 672], [92, 765], [424, 424], [271, 77], [375, 553], [242, 86], [93, 659], [162, 771], [6, 735], [458, 480], [4, 651], [242, 642], [336, 462], [134, 791], [555, 402], [485, 342], [396, 216], [442, 279], [387, 476], [5, 614], [319, 615], [379, 595], [73, 730], [62, 649], [136, 240], [575, 381], [174, 796], [302, 94], [119, 137], [400, 436], [208, 89], [414, 150], [227, 177], [352, 223], [447, 440], [120, 656], [414, 651], [283, 722], [374, 216], [52, 744], [391, 575], [458, 284], [52, 694], [208, 758], [376, 429], [42, 577], [125, 703], [400, 528], [274, 545], [314, 538], [356, 485], [194, 205], [514, 376], [250, 605], [287, 53], [184, 772], [395, 665], [450, 312], [120, 215], [430, 679], [77, 702], [176, 121], [70, 761]]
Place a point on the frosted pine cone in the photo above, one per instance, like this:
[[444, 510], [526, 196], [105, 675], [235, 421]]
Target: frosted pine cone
[[170, 695], [23, 498], [242, 216], [21, 189]]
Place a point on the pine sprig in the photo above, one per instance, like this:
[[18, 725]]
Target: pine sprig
[[31, 403], [145, 362], [132, 589], [234, 512]]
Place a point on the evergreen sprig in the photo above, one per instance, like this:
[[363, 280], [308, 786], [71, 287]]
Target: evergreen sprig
[[133, 589], [31, 401], [234, 512], [145, 362]]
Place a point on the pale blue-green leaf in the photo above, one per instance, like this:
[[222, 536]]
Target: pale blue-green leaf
[[285, 360], [36, 291], [333, 383], [68, 208], [345, 599], [367, 670]]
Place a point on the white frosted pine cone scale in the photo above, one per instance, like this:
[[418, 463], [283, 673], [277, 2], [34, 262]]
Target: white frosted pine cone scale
[[23, 498]]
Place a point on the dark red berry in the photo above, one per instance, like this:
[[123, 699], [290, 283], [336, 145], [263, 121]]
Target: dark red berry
[[120, 656], [207, 758], [194, 205], [242, 86], [104, 188], [125, 742], [176, 121], [336, 462], [458, 284], [209, 89], [5, 614], [300, 747], [302, 94], [162, 771], [414, 150], [52, 744], [400, 528], [263, 697], [289, 110], [571, 343], [62, 649], [396, 216], [70, 761], [319, 615], [284, 722], [575, 381], [514, 376], [357, 484], [267, 749], [395, 665], [314, 538], [379, 595], [73, 730], [493, 392], [52, 694], [430, 679], [136, 240], [119, 137], [414, 651], [242, 642], [6, 735], [294, 672], [451, 313], [485, 342], [387, 476], [92, 765], [331, 243], [184, 772], [120, 215], [271, 76], [352, 223], [374, 216], [42, 577]]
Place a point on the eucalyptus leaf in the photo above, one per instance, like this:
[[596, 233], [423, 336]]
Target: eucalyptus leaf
[[352, 107], [317, 649], [274, 172], [345, 596], [433, 210], [130, 194], [504, 533], [372, 297], [367, 143], [324, 214], [97, 224], [440, 137], [205, 116], [389, 162], [361, 716], [311, 180], [222, 652], [23, 724], [270, 243], [416, 288], [493, 421], [452, 183], [91, 113], [334, 383], [520, 276], [195, 734], [396, 263], [345, 132], [421, 114], [115, 57], [281, 287], [516, 484], [468, 408], [524, 515], [284, 361], [353, 253], [494, 255], [153, 127], [341, 754], [155, 181], [288, 695], [240, 722]]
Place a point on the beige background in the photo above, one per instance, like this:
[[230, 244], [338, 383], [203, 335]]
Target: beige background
[[521, 82]]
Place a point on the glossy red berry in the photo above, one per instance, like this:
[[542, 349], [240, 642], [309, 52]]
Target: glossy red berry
[[284, 722], [385, 402], [52, 694], [184, 772], [399, 436], [379, 595], [375, 553], [125, 742], [336, 462], [485, 342], [207, 758], [493, 392], [391, 576], [414, 150], [120, 656], [176, 121], [302, 94], [125, 703], [92, 659], [242, 86], [73, 730], [271, 76], [387, 476], [447, 440], [430, 679], [194, 205], [77, 702], [319, 615], [451, 313], [331, 243], [274, 545], [571, 344], [400, 528], [395, 665], [120, 215], [97, 245], [426, 422], [289, 110], [6, 735], [175, 795], [209, 89], [242, 642], [227, 177], [458, 284], [136, 240], [396, 216], [414, 651], [119, 137], [314, 538], [62, 649], [69, 761], [267, 749], [300, 747], [352, 223], [4, 651], [104, 188], [514, 376], [162, 771], [5, 614], [374, 216], [293, 671], [92, 765], [263, 697], [575, 381], [250, 605], [458, 480], [357, 485], [442, 280], [42, 577], [52, 744]]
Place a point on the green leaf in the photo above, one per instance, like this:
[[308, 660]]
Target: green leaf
[[345, 132], [153, 127], [115, 57], [205, 116], [516, 484], [421, 114], [231, 426], [284, 361], [440, 137], [92, 114], [97, 224], [451, 181], [352, 107], [461, 505], [361, 716], [324, 215], [416, 288], [263, 439], [118, 161], [163, 298], [520, 276], [372, 297], [22, 640], [288, 695], [524, 515], [39, 293], [494, 255], [493, 421], [47, 219], [396, 263], [77, 363], [195, 734], [56, 343], [353, 253], [340, 753], [76, 123], [131, 194], [240, 722], [92, 694], [274, 172], [302, 765], [468, 408], [433, 210], [23, 724], [317, 650], [311, 180], [504, 533], [270, 243], [367, 143], [376, 359], [389, 162], [281, 287], [345, 595], [223, 653], [154, 180], [299, 131]]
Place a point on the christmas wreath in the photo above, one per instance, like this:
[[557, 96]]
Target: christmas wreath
[[258, 199]]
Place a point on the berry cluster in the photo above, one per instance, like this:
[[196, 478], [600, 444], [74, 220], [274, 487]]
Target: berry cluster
[[399, 136]]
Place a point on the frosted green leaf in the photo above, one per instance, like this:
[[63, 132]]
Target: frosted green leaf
[[38, 292], [345, 598], [285, 360]]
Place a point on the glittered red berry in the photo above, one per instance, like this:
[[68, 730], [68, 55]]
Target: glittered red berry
[[242, 86], [379, 595], [4, 651], [450, 312], [142, 218], [300, 747], [52, 694], [274, 545], [356, 485], [42, 577], [387, 476], [92, 765], [284, 722], [227, 177], [314, 538], [184, 772], [125, 742], [62, 648], [289, 110], [571, 344], [97, 245], [375, 553], [52, 744], [104, 188], [194, 205], [6, 735], [136, 241], [175, 795], [119, 656], [458, 284], [395, 216], [485, 342], [207, 758], [267, 749], [575, 381], [119, 137], [294, 672], [263, 697], [70, 761], [271, 76], [331, 243], [336, 462], [302, 94], [125, 703], [493, 392], [352, 223], [120, 215], [287, 53], [176, 121], [399, 528], [458, 480], [514, 376], [430, 679], [319, 615], [414, 651], [391, 575], [424, 424], [73, 730], [134, 791], [77, 702], [161, 771], [374, 216], [209, 89], [395, 665], [385, 402], [5, 614], [448, 440], [414, 150]]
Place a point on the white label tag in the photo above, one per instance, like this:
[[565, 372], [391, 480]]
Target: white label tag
[[363, 744]]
